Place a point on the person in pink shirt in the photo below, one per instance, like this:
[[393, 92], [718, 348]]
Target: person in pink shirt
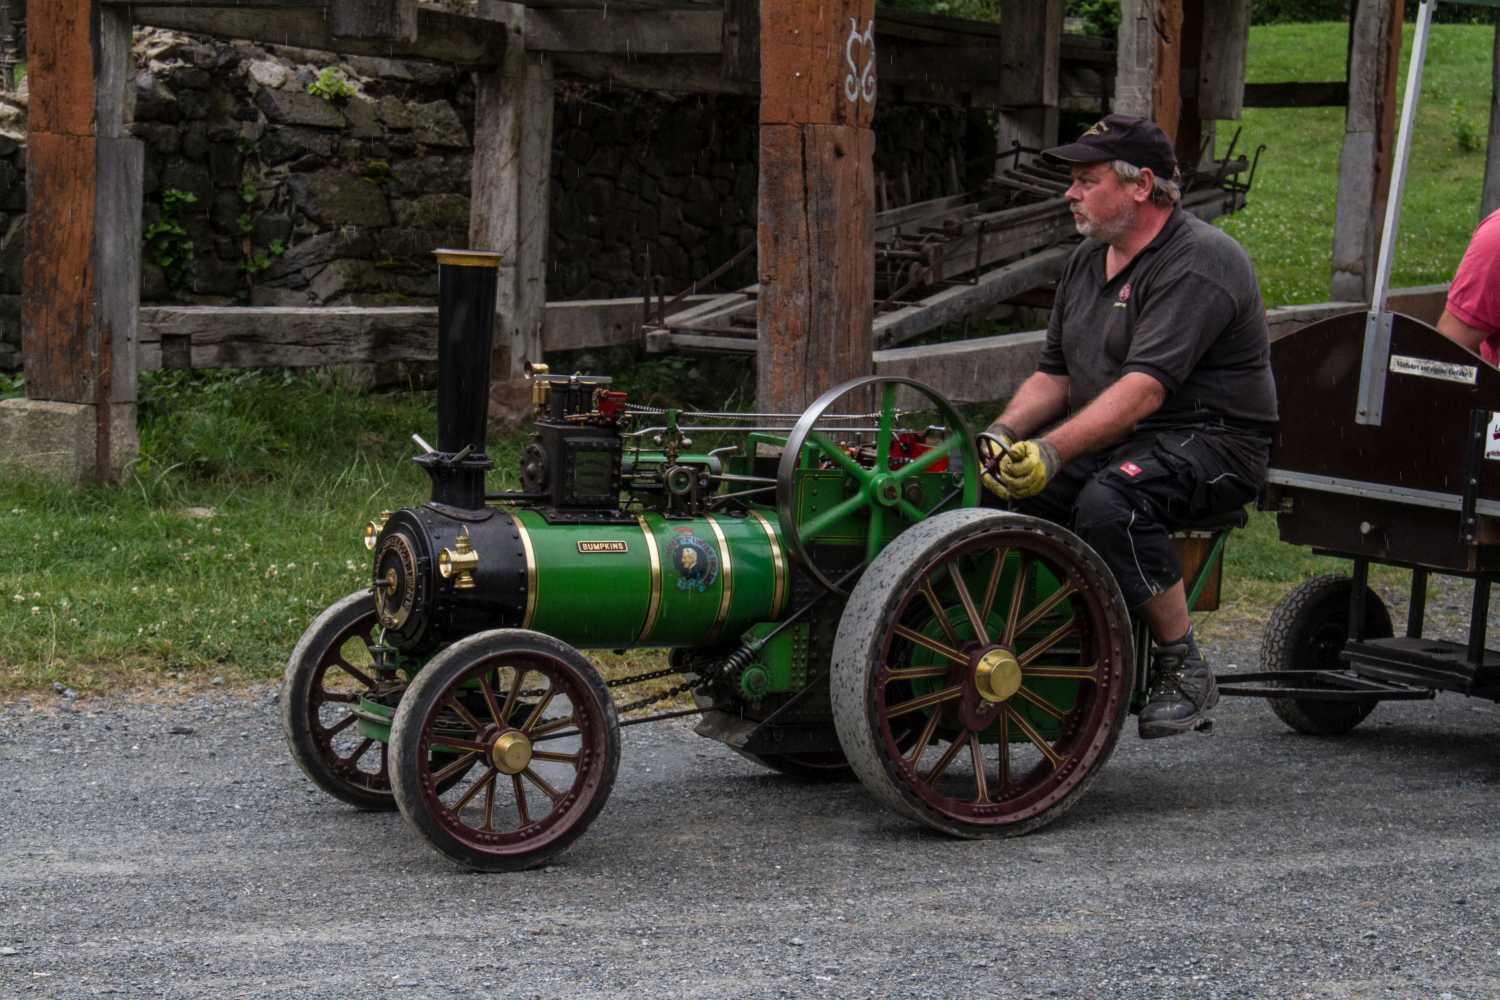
[[1473, 314]]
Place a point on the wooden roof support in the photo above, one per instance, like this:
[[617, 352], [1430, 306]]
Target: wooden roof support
[[83, 227], [1490, 201], [1030, 71], [509, 210], [817, 198], [1369, 145]]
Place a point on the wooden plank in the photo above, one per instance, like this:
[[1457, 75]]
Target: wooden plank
[[60, 68], [818, 62], [673, 74], [1329, 94], [610, 32], [741, 41], [1135, 63], [1368, 149], [1490, 199], [441, 36], [817, 272], [117, 267], [510, 209], [1166, 78], [381, 20], [57, 281], [1030, 51], [1221, 66]]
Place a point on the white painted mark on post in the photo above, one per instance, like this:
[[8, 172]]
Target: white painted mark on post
[[1492, 438], [1427, 368], [860, 83]]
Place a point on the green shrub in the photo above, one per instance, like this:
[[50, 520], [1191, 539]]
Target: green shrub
[[331, 86], [167, 243], [1467, 136]]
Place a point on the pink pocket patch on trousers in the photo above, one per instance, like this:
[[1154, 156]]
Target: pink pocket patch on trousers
[[1131, 469]]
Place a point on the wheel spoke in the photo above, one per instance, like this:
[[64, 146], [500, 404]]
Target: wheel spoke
[[489, 804], [819, 523], [922, 741], [359, 752], [914, 673], [839, 457], [512, 695], [521, 810], [874, 536], [552, 726], [1017, 595], [993, 587], [441, 742], [926, 700], [560, 758], [939, 612], [1058, 635], [1031, 734], [341, 725], [910, 511], [489, 700], [479, 786], [540, 782], [1045, 608], [1089, 673], [883, 435], [541, 706], [944, 760], [337, 698], [976, 754], [1004, 751], [1041, 703], [975, 621], [354, 672], [464, 713], [932, 644], [457, 765], [950, 444]]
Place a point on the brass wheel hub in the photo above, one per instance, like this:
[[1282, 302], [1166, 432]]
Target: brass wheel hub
[[997, 675], [511, 752]]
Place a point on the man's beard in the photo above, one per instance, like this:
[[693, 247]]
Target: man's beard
[[1108, 230]]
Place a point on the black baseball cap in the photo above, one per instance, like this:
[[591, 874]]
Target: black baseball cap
[[1138, 141]]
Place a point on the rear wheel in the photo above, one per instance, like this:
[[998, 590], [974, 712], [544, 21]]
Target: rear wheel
[[1307, 631], [1002, 640]]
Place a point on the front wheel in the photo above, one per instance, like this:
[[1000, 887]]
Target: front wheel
[[529, 724], [1003, 641], [1307, 631]]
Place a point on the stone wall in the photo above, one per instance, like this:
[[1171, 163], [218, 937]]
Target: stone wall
[[282, 176]]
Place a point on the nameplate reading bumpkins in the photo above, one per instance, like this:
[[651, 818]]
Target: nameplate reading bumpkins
[[601, 548], [1423, 368]]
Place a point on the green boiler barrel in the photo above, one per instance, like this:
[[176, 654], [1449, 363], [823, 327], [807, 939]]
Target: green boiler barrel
[[658, 582]]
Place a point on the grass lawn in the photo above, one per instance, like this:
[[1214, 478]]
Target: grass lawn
[[1288, 227]]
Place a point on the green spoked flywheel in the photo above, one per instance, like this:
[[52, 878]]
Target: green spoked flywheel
[[852, 478]]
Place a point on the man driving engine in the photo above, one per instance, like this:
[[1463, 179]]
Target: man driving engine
[[1152, 405]]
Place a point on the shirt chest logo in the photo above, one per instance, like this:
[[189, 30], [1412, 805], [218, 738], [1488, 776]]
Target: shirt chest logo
[[1123, 297]]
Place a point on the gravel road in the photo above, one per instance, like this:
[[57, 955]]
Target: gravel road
[[175, 851]]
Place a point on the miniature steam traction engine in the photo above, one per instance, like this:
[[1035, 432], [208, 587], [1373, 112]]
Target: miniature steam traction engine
[[832, 596]]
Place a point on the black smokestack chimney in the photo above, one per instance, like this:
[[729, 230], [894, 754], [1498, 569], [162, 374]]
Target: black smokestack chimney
[[467, 285]]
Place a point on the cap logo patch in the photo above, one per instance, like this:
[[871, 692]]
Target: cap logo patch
[[1131, 469], [1100, 127]]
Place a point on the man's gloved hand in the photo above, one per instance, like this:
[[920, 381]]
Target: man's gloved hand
[[990, 458], [1028, 469]]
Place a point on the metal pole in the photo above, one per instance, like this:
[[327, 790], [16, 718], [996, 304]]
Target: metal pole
[[1377, 352]]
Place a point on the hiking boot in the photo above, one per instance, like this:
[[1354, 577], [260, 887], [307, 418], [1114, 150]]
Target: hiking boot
[[1182, 690]]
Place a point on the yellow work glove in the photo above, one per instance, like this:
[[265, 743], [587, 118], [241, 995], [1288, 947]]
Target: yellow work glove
[[1028, 469], [990, 457]]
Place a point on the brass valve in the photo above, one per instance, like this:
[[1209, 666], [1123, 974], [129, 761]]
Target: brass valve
[[459, 563], [541, 386], [374, 528]]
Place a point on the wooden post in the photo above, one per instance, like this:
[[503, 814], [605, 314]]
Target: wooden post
[[1030, 57], [1221, 63], [817, 204], [1166, 81], [510, 203], [1490, 201], [8, 22], [1135, 57], [1369, 145], [81, 277]]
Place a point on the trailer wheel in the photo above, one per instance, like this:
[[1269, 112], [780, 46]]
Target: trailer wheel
[[1004, 637], [324, 678], [1306, 631], [530, 789]]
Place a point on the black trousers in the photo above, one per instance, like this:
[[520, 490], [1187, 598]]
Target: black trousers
[[1126, 502]]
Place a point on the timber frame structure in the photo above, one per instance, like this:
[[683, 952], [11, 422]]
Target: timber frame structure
[[817, 66]]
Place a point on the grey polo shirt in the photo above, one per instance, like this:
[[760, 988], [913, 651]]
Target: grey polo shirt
[[1186, 311]]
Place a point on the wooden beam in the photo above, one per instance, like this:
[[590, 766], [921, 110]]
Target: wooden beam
[[1330, 94], [1369, 145], [1166, 80], [1030, 72], [1490, 200], [741, 41], [441, 36], [382, 20], [1135, 64], [81, 275], [1221, 65], [610, 32], [817, 197], [509, 212]]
